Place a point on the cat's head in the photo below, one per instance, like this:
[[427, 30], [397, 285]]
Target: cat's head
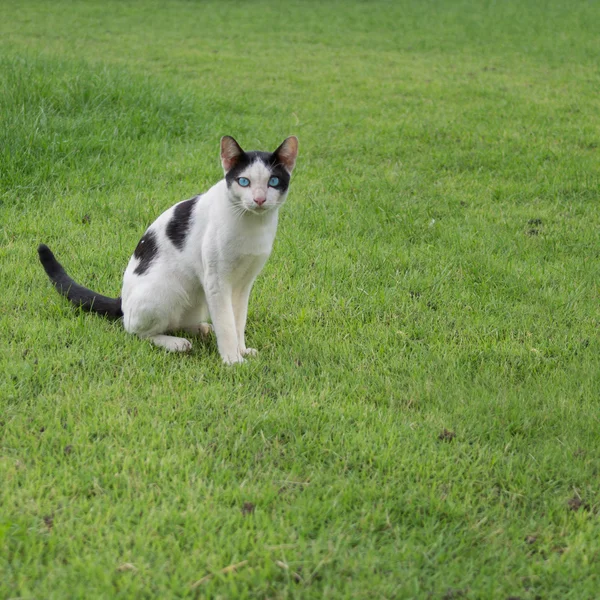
[[258, 181]]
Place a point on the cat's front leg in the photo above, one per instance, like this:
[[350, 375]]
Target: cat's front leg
[[220, 306], [240, 310]]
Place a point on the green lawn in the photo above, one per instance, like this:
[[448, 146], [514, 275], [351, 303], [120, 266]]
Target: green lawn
[[423, 418]]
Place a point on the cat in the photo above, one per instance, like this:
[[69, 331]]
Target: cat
[[200, 258]]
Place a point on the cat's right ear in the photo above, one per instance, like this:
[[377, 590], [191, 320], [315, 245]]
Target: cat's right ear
[[230, 152]]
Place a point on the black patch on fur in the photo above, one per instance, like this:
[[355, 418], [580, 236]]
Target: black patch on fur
[[269, 159], [145, 252], [77, 294], [179, 225]]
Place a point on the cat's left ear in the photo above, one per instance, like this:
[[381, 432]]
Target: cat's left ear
[[287, 153], [230, 152]]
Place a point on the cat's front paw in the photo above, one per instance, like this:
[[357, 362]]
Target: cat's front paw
[[250, 352], [232, 359]]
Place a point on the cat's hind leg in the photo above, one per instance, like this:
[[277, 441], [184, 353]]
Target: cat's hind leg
[[205, 329], [194, 321], [171, 343], [152, 325]]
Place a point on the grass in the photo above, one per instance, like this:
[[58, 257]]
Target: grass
[[436, 270]]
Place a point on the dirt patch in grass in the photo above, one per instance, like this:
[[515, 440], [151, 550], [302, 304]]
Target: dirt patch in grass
[[446, 435], [575, 503], [248, 508]]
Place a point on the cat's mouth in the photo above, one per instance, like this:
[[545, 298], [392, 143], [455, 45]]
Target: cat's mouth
[[258, 210]]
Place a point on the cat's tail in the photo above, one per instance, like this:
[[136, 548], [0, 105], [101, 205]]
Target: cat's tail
[[77, 294]]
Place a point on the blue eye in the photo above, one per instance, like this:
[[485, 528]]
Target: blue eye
[[274, 181], [243, 181]]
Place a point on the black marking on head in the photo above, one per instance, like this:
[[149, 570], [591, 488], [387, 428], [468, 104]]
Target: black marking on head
[[145, 252], [179, 224], [270, 160]]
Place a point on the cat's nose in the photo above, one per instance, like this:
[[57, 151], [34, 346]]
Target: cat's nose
[[260, 200]]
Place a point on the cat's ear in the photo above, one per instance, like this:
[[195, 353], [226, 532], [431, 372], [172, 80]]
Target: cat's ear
[[287, 153], [230, 152]]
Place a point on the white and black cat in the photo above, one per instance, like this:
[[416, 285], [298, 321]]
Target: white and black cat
[[200, 258]]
